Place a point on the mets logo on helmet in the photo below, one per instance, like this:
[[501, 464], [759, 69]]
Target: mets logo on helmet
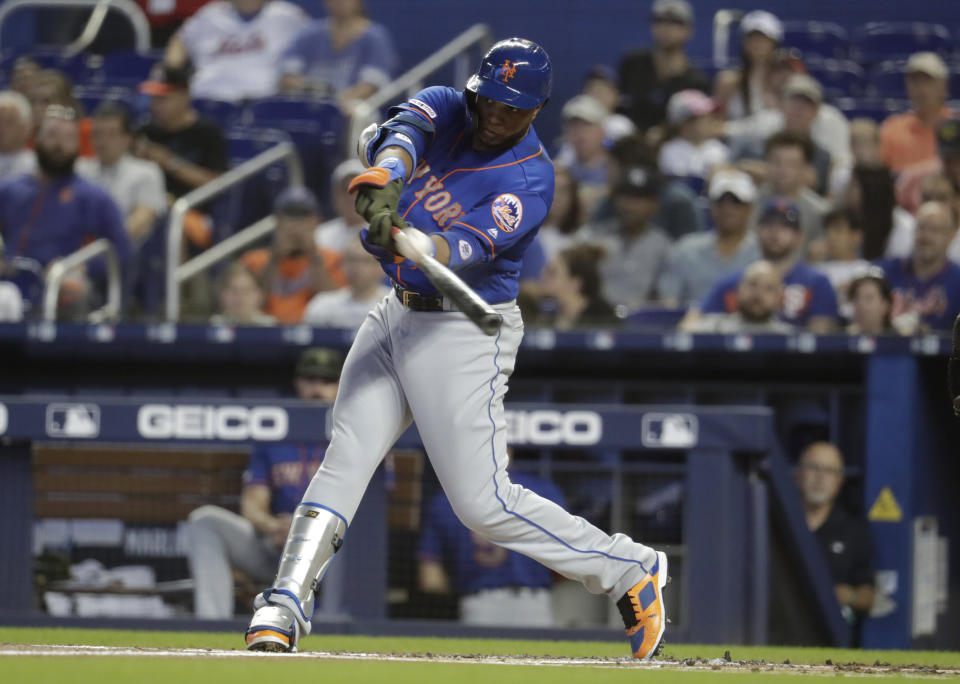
[[507, 71], [507, 212]]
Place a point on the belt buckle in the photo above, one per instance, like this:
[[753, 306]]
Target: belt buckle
[[405, 297]]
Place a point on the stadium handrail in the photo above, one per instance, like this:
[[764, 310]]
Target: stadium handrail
[[457, 49], [135, 15], [59, 269], [176, 272]]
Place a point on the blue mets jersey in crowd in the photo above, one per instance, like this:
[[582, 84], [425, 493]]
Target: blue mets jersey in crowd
[[286, 469], [936, 301], [474, 563], [489, 205], [806, 293]]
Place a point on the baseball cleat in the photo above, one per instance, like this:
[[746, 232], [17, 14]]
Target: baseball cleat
[[273, 629], [643, 612]]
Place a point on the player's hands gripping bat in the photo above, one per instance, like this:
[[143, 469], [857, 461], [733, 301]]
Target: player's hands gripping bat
[[446, 281], [378, 194]]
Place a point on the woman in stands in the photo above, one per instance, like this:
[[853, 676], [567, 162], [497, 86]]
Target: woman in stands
[[345, 55], [871, 301], [572, 289], [745, 91]]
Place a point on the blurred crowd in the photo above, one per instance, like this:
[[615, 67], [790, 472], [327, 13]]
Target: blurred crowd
[[745, 202]]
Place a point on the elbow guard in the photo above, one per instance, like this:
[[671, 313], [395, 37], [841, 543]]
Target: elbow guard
[[405, 129]]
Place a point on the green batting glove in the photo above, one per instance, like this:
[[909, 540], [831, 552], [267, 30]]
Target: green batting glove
[[372, 200], [380, 232]]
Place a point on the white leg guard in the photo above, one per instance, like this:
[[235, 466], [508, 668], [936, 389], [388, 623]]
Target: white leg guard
[[316, 534]]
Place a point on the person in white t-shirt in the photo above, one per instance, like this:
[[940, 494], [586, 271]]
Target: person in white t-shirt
[[692, 152], [16, 122], [235, 47], [136, 185], [348, 306], [334, 235]]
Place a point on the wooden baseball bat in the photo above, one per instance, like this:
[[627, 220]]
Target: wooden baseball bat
[[450, 285]]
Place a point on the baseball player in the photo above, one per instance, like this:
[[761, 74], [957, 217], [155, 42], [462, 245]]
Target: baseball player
[[467, 168]]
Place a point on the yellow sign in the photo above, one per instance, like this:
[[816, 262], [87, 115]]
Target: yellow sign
[[885, 508]]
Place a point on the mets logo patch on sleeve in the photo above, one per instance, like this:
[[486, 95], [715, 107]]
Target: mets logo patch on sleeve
[[507, 212]]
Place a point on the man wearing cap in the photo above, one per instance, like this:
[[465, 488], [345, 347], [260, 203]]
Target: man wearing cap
[[808, 299], [636, 248], [53, 212], [344, 228], [191, 150], [700, 259], [909, 138], [294, 269], [926, 285], [648, 78], [584, 152], [219, 540], [909, 187], [693, 152]]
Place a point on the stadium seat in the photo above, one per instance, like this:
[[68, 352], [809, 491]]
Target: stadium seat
[[654, 317], [91, 97], [124, 68], [227, 114], [822, 38], [839, 77], [874, 108], [252, 199], [888, 79], [879, 41]]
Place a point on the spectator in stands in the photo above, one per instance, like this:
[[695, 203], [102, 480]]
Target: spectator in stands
[[871, 304], [747, 90], [241, 298], [636, 248], [601, 84], [691, 151], [843, 237], [344, 55], [648, 78], [294, 269], [789, 157], [887, 229], [947, 161], [219, 540], [909, 138], [677, 212], [844, 538], [53, 87], [572, 288], [808, 300], [54, 212], [235, 47], [759, 298], [926, 285], [584, 151], [344, 228], [565, 216], [23, 75], [800, 101], [16, 124], [699, 259], [346, 307], [864, 141], [191, 150], [136, 185], [496, 587]]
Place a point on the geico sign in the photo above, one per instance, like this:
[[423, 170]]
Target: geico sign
[[262, 423], [572, 428], [4, 418]]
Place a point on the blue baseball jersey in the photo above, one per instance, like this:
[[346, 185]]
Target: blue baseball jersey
[[476, 562], [936, 301], [286, 469], [487, 205], [806, 293]]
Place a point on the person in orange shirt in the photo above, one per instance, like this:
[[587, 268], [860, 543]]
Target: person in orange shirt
[[909, 138], [293, 269]]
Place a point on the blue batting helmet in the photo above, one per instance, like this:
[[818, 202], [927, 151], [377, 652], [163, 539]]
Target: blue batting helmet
[[516, 72]]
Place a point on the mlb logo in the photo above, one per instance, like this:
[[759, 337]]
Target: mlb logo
[[669, 430], [73, 421]]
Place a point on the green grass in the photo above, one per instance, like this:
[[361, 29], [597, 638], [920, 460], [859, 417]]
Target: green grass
[[93, 670]]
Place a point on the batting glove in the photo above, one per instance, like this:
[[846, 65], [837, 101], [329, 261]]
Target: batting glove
[[380, 232]]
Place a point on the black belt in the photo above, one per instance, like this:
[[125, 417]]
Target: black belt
[[418, 302]]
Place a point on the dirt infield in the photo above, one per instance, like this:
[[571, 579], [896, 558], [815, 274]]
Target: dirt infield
[[685, 665]]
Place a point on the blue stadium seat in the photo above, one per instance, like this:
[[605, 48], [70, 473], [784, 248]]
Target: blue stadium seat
[[253, 199], [124, 68], [822, 38], [653, 317], [874, 108], [245, 143], [839, 77], [888, 79], [879, 40], [91, 97], [227, 114]]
